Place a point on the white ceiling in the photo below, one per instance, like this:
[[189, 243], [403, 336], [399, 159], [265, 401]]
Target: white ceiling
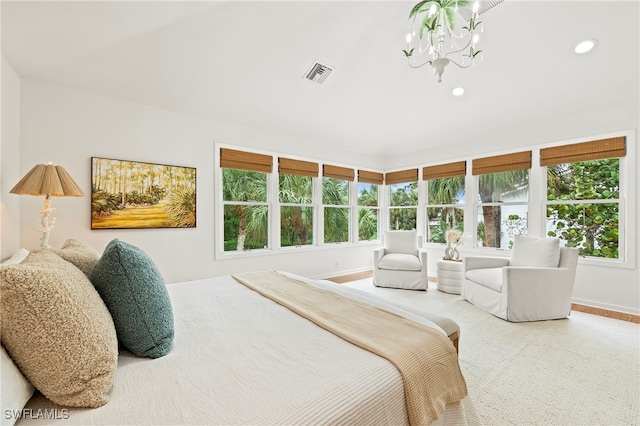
[[243, 62]]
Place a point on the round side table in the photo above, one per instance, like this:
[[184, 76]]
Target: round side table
[[450, 275]]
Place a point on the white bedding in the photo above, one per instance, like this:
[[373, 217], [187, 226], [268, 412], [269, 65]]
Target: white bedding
[[239, 358]]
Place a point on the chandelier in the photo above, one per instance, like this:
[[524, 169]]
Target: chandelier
[[432, 37]]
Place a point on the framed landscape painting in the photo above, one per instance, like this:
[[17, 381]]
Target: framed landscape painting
[[131, 194]]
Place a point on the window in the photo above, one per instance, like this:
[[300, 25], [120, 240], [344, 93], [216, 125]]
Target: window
[[583, 197], [335, 200], [445, 199], [244, 196], [502, 198], [403, 199], [368, 205], [297, 209]]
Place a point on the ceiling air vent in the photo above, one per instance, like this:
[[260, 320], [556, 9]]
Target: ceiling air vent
[[485, 5], [318, 73]]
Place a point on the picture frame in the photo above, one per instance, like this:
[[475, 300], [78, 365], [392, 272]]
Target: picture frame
[[129, 194]]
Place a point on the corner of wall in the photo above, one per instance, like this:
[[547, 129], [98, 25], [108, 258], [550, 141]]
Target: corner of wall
[[9, 159]]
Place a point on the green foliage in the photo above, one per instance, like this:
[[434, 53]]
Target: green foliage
[[296, 222], [368, 195], [402, 195], [296, 225], [336, 224], [245, 225], [430, 23], [181, 210], [481, 235], [592, 227], [104, 203], [367, 224], [446, 218]]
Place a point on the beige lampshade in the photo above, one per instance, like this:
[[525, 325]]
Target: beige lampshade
[[47, 179]]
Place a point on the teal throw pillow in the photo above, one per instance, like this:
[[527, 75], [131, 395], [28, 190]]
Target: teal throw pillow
[[136, 295]]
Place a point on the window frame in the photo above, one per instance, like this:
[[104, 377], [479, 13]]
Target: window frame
[[627, 199], [628, 203], [274, 204], [348, 207], [457, 169], [502, 163], [377, 208]]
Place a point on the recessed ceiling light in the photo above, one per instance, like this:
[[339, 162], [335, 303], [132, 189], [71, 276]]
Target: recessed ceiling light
[[585, 46], [457, 91]]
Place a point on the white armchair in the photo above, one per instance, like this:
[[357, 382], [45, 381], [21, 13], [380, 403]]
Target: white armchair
[[535, 284], [401, 262]]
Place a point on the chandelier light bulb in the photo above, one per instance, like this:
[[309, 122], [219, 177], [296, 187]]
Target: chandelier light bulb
[[457, 91], [475, 39], [476, 6], [432, 10], [409, 38]]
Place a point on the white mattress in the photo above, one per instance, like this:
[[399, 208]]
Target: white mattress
[[239, 358]]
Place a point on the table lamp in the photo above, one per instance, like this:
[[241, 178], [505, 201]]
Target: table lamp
[[47, 180]]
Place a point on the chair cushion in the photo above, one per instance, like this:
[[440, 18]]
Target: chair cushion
[[401, 242], [400, 262], [529, 251], [487, 277]]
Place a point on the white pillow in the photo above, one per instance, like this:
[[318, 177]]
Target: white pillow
[[16, 389], [401, 242], [529, 251], [17, 257]]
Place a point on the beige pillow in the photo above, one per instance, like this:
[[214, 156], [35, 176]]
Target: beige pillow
[[83, 256], [58, 330]]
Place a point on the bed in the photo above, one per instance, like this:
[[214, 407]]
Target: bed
[[240, 358]]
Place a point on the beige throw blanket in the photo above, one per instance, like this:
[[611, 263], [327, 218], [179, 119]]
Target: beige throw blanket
[[425, 357]]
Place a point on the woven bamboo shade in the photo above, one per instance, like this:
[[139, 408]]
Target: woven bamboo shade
[[502, 163], [336, 172], [402, 176], [370, 177], [445, 170], [233, 159], [47, 179], [288, 166], [585, 151]]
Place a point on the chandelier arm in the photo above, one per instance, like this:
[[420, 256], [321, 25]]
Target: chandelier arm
[[418, 66], [458, 65], [465, 47]]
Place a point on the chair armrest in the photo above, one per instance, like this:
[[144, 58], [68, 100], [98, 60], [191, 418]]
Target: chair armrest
[[539, 278], [377, 255], [482, 262], [422, 255], [537, 293]]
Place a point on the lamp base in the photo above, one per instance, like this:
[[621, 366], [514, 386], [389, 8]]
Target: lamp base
[[47, 222]]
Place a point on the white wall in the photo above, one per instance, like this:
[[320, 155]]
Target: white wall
[[68, 127], [9, 158]]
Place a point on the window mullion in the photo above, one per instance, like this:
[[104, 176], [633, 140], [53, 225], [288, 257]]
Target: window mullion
[[273, 191]]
